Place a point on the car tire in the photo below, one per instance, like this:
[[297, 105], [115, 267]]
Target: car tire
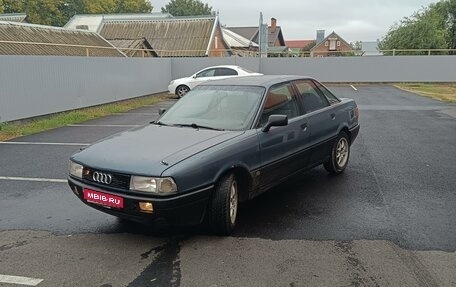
[[224, 206], [182, 90], [340, 153]]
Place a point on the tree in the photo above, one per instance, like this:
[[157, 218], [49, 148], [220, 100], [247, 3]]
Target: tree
[[447, 9], [12, 6], [187, 8], [133, 6], [58, 12], [432, 27]]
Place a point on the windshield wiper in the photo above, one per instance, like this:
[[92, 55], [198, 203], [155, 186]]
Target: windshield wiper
[[196, 126]]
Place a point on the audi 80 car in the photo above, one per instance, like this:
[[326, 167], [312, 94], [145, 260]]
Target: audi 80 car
[[223, 143], [182, 86]]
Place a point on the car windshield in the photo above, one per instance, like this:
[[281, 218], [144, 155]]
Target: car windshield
[[216, 107]]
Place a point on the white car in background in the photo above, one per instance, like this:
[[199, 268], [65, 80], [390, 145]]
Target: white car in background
[[181, 86]]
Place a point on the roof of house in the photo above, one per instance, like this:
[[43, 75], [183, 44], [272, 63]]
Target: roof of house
[[13, 17], [331, 35], [251, 33], [93, 22], [298, 43], [179, 36], [56, 37], [128, 46], [236, 40], [246, 32]]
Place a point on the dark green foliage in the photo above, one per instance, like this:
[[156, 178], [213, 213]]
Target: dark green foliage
[[58, 12], [187, 8], [433, 27]]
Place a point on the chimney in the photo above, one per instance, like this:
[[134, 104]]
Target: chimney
[[320, 36], [273, 25]]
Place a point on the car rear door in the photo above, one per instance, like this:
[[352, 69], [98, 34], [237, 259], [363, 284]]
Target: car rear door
[[282, 148], [222, 73], [322, 120]]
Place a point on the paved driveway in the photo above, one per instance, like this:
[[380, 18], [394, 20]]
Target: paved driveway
[[389, 220]]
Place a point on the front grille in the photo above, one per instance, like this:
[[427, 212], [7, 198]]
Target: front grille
[[121, 181]]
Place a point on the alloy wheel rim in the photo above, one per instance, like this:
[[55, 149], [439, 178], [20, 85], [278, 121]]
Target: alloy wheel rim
[[342, 152], [182, 91], [233, 202]]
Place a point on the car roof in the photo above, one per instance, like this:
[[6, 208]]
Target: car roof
[[260, 80], [221, 66]]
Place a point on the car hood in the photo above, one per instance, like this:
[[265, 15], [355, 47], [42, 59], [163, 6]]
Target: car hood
[[151, 149]]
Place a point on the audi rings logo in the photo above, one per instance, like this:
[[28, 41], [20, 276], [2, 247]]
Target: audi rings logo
[[102, 177]]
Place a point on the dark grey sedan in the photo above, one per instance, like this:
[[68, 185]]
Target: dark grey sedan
[[223, 143]]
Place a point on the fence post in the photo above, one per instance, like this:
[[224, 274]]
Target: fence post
[[429, 52], [394, 52], [87, 52]]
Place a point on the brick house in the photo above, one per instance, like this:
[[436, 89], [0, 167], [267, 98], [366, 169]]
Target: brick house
[[332, 45]]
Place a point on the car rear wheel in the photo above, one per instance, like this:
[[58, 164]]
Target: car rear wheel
[[340, 153], [224, 206], [182, 90]]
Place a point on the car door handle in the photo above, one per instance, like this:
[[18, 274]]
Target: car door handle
[[333, 116], [304, 127]]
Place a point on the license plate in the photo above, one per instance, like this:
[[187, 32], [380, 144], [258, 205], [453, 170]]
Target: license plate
[[104, 199]]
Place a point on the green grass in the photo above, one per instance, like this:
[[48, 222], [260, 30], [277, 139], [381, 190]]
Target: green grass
[[441, 92], [13, 130]]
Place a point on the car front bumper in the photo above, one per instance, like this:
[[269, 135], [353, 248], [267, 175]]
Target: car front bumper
[[181, 209], [172, 89]]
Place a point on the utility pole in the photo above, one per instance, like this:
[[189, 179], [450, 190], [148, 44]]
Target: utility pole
[[263, 38]]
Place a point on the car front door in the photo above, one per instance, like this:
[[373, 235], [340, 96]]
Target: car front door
[[322, 120], [203, 76], [282, 148]]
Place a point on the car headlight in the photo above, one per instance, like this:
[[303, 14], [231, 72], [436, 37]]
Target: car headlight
[[172, 82], [75, 169], [165, 185]]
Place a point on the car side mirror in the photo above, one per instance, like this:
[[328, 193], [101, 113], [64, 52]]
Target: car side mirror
[[275, 121], [161, 111]]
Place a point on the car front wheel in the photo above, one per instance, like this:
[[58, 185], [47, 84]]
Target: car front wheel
[[182, 90], [340, 153], [224, 205]]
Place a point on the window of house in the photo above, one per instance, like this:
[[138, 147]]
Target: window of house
[[332, 44], [338, 43], [326, 43], [280, 100], [310, 97]]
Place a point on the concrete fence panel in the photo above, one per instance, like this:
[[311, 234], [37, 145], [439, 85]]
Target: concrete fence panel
[[33, 86], [367, 69]]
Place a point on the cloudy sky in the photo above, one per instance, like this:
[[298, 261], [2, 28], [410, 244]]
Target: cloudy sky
[[353, 20]]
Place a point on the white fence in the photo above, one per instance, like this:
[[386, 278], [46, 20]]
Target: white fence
[[37, 85]]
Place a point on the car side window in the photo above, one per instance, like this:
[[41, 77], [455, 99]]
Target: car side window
[[206, 73], [310, 97], [280, 100], [225, 72], [329, 96]]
